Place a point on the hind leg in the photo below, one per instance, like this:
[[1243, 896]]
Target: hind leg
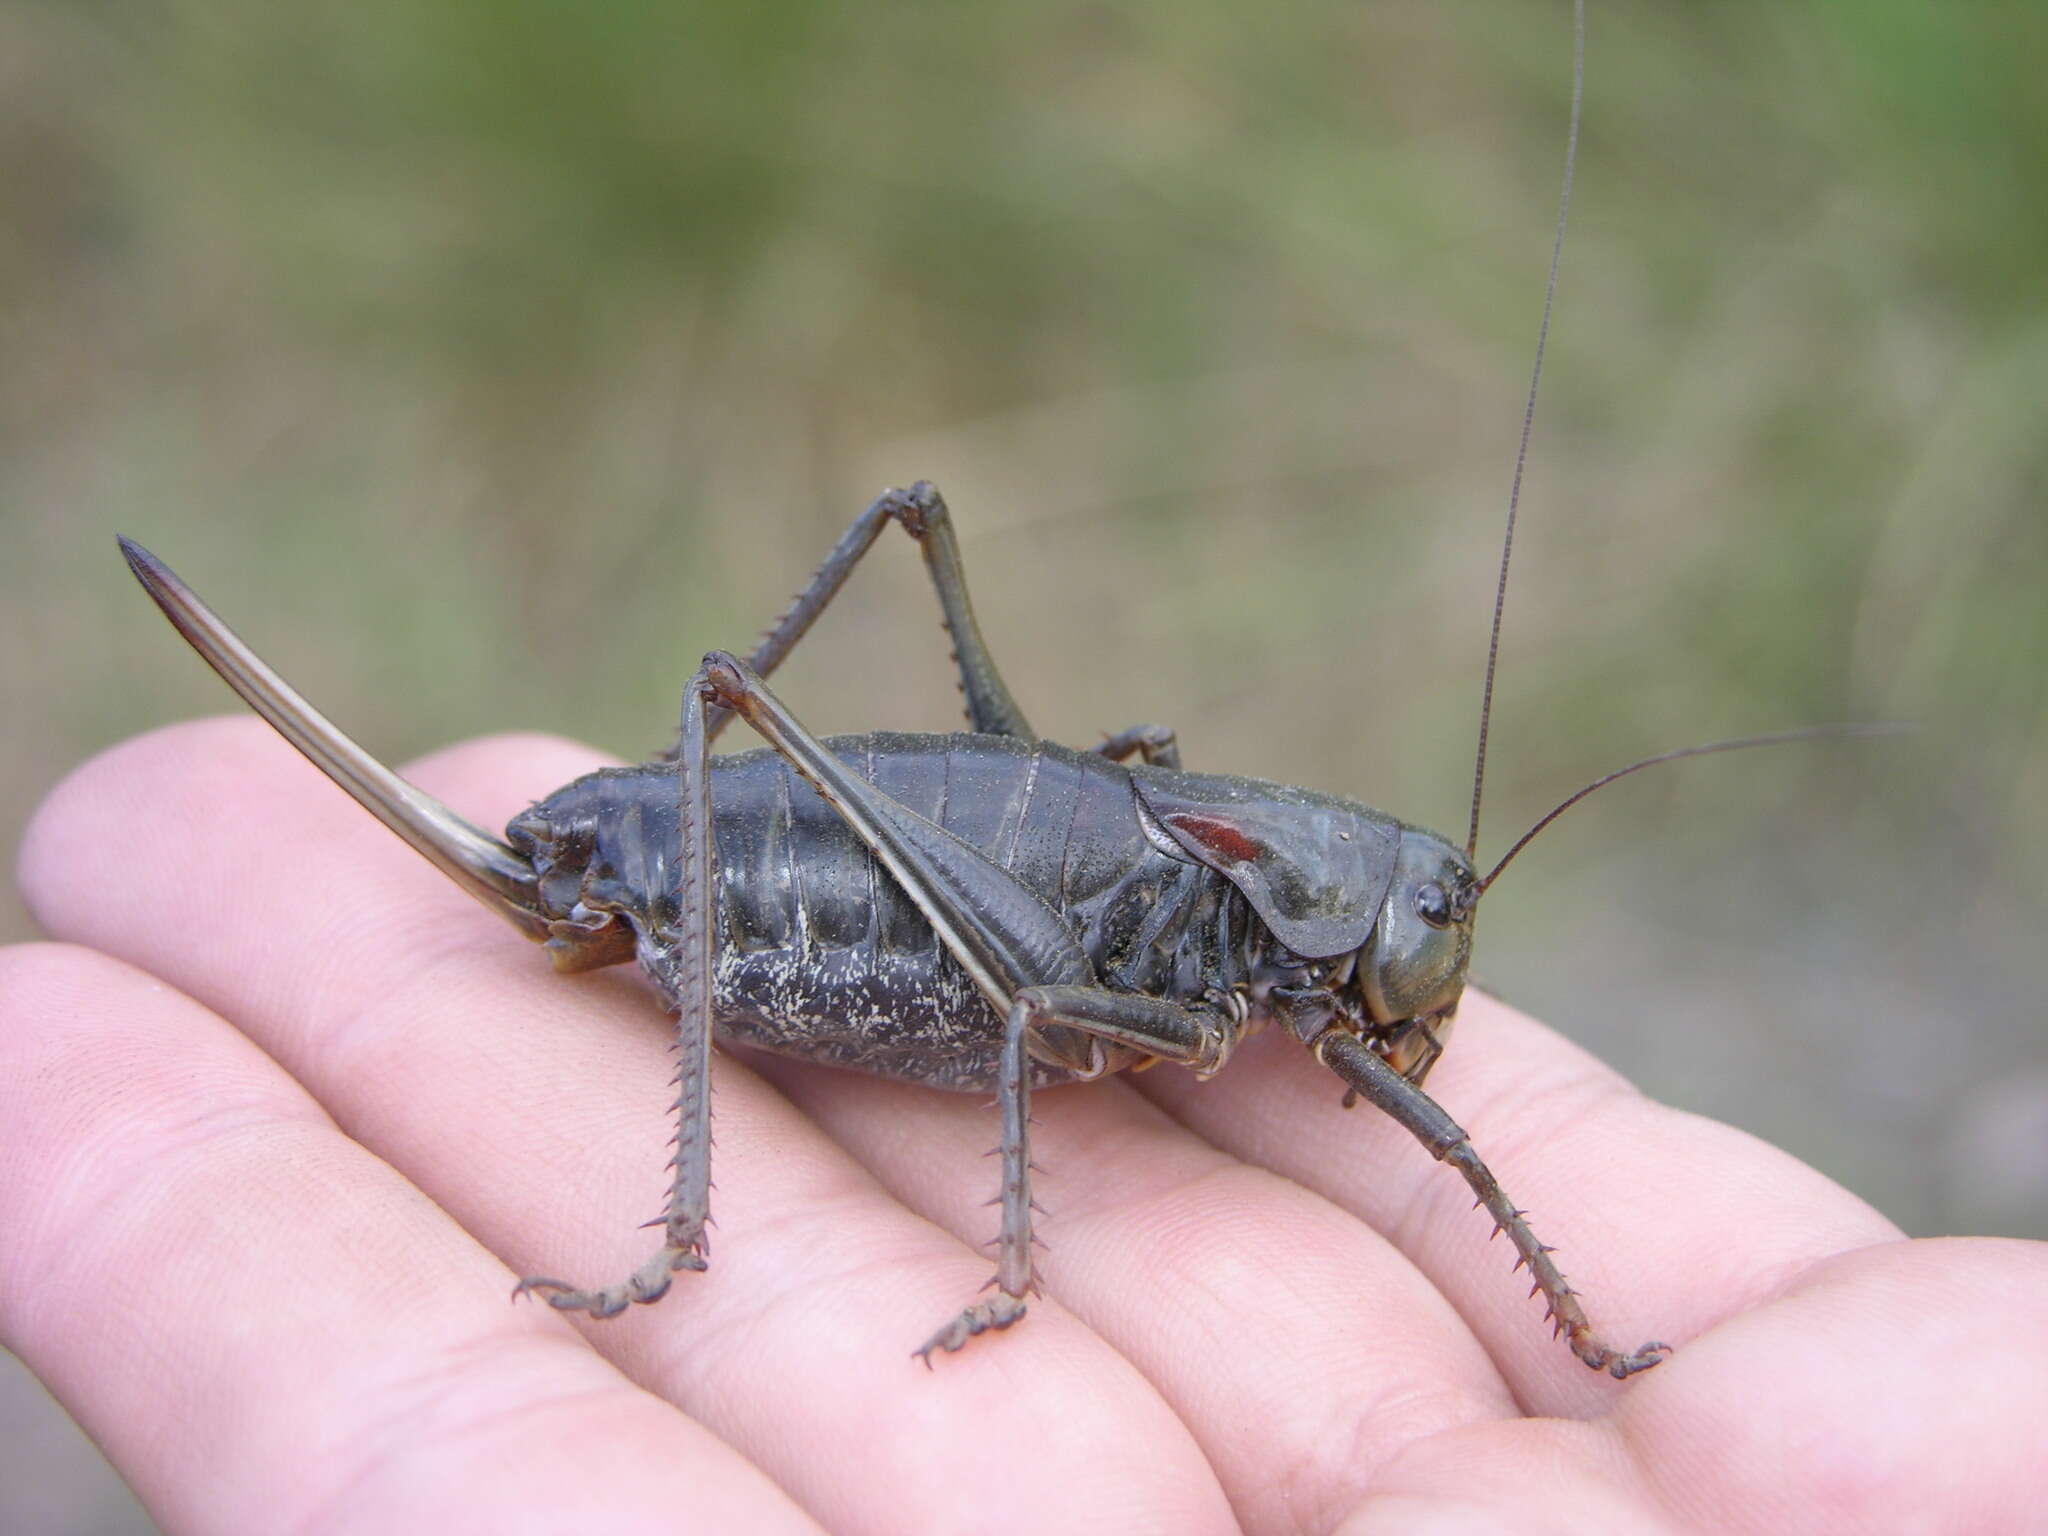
[[922, 513]]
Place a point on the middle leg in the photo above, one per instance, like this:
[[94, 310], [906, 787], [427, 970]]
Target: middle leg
[[1063, 1023], [1156, 744]]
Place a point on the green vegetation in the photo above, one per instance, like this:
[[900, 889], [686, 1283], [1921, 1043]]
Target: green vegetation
[[487, 362]]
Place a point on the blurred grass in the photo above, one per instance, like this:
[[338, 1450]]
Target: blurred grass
[[487, 362]]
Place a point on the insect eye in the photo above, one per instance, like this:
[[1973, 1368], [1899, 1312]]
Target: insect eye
[[1433, 906]]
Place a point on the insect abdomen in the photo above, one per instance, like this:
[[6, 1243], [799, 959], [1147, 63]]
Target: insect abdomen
[[822, 955]]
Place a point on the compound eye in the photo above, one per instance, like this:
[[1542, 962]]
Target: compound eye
[[1433, 906]]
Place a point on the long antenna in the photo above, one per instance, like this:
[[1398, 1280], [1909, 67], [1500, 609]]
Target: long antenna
[[1735, 744], [1507, 547]]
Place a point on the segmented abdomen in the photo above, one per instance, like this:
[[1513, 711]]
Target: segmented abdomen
[[822, 955]]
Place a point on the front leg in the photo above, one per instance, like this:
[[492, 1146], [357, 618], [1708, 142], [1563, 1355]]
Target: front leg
[[1354, 1061]]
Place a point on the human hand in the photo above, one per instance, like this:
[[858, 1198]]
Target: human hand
[[284, 1114]]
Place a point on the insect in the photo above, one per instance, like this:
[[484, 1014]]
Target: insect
[[978, 911]]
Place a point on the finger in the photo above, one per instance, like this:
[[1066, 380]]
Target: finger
[[1667, 1223], [534, 1108], [202, 1268], [1902, 1386], [1300, 1347], [1897, 1387]]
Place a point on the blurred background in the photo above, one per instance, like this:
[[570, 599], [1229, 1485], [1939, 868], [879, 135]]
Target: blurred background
[[487, 361]]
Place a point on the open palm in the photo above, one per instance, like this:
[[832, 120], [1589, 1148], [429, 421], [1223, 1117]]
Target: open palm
[[283, 1116]]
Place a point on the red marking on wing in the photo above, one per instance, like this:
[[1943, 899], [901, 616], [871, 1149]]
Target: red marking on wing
[[1225, 839]]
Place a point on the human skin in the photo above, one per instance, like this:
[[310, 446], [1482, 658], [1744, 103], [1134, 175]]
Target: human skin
[[283, 1114]]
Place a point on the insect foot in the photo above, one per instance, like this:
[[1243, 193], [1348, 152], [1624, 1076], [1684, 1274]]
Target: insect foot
[[999, 1311], [1621, 1366], [648, 1283]]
